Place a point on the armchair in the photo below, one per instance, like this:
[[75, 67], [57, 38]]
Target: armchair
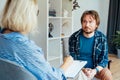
[[12, 71]]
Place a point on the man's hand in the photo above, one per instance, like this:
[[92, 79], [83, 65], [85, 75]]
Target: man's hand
[[90, 73]]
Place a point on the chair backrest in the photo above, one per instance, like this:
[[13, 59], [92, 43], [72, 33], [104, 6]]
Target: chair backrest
[[12, 71]]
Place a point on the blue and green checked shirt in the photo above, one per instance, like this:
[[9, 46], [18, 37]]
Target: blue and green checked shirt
[[100, 51]]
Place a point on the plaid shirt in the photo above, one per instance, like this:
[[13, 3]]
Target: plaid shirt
[[100, 52]]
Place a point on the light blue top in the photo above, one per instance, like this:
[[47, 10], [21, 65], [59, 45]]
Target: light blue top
[[18, 48]]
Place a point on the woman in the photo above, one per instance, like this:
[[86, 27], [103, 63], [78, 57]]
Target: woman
[[19, 17]]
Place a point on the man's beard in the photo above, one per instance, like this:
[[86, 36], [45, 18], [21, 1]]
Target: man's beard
[[88, 32]]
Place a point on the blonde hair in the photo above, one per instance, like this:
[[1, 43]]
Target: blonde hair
[[20, 15]]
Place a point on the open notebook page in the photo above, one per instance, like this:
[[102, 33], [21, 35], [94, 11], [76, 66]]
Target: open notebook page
[[75, 68]]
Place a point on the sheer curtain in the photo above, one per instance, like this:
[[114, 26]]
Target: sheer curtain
[[113, 23]]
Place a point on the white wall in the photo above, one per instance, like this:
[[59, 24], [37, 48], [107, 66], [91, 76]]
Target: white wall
[[2, 3], [101, 6]]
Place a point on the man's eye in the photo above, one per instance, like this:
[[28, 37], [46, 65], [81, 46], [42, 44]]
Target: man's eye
[[90, 21], [84, 21]]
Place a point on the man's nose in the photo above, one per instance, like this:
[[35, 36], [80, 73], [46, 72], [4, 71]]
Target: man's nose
[[87, 24]]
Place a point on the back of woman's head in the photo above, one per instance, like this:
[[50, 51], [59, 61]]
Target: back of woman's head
[[20, 15]]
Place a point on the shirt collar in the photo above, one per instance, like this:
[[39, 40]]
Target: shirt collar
[[13, 35]]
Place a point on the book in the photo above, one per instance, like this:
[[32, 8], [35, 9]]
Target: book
[[74, 69]]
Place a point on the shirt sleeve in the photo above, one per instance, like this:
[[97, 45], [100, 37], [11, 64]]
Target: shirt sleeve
[[43, 70], [103, 58], [72, 47]]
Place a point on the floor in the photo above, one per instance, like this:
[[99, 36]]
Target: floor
[[115, 66]]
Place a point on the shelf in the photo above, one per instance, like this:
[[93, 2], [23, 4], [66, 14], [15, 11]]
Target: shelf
[[54, 17], [56, 22], [67, 17], [66, 26], [62, 37], [54, 47], [66, 8], [55, 8], [55, 63], [51, 58], [59, 29], [54, 38]]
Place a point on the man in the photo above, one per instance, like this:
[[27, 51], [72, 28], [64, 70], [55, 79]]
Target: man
[[90, 45]]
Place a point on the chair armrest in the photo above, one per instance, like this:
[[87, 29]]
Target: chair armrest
[[109, 63]]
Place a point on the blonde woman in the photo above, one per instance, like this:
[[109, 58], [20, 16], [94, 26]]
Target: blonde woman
[[19, 17]]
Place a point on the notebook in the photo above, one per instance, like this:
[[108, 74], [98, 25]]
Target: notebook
[[74, 69]]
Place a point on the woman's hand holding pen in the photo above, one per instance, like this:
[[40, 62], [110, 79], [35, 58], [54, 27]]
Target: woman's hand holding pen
[[67, 62]]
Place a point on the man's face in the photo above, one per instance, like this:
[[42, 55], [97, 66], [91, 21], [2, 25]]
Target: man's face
[[89, 24]]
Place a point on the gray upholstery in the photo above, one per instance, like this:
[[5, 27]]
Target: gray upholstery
[[12, 71]]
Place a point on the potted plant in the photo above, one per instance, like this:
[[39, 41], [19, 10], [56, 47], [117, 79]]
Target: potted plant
[[116, 41]]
